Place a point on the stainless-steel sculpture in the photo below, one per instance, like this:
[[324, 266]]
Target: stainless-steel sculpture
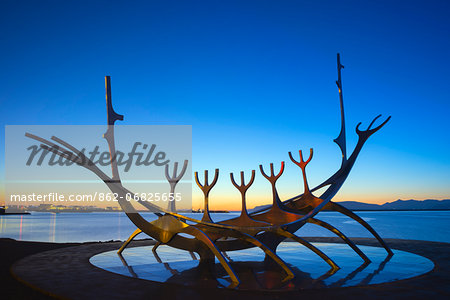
[[265, 228]]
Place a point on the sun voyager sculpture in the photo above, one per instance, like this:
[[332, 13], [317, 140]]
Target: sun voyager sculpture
[[264, 228]]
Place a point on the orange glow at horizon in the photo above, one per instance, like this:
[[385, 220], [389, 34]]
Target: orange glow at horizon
[[233, 202]]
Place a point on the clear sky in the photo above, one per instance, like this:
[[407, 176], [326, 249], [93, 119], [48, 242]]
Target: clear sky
[[255, 79]]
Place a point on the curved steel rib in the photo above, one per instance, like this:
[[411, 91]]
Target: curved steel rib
[[130, 238], [242, 235], [310, 246], [341, 235], [336, 207], [200, 235]]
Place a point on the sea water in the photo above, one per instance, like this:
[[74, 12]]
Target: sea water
[[106, 226]]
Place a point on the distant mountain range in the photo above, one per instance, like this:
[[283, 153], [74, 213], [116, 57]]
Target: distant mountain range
[[411, 204]]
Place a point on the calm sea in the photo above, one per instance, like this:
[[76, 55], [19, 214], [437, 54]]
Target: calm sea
[[84, 227]]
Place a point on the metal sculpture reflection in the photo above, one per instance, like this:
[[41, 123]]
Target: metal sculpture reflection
[[265, 228]]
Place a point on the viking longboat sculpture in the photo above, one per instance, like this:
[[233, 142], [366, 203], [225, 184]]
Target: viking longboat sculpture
[[265, 228]]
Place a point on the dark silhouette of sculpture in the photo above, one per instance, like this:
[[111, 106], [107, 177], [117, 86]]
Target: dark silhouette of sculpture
[[265, 228]]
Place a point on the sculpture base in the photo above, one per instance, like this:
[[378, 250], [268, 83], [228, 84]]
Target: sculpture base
[[67, 273], [179, 267]]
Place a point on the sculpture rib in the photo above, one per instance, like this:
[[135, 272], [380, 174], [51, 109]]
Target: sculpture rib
[[341, 235]]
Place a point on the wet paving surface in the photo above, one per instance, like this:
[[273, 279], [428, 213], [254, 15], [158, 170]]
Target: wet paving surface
[[181, 268]]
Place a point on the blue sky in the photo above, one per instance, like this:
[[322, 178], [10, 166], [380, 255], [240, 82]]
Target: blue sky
[[255, 79]]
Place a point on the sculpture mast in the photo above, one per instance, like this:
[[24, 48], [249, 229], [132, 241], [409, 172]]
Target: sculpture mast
[[341, 139]]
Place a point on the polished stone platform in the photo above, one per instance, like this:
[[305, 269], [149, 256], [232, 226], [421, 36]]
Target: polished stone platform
[[68, 273], [181, 267]]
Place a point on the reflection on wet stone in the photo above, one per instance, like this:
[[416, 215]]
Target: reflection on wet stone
[[178, 267]]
